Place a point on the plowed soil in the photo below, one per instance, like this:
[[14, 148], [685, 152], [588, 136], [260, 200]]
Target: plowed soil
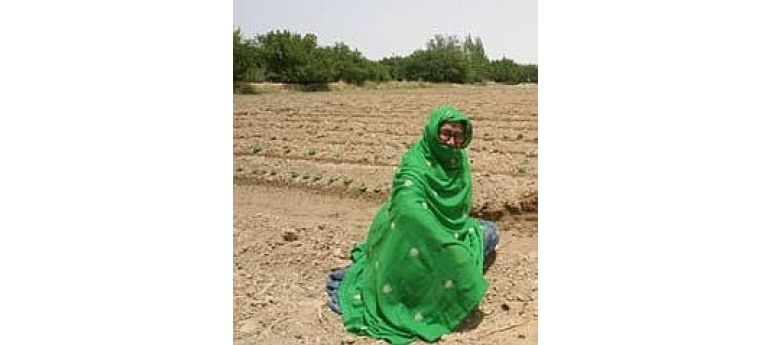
[[311, 170]]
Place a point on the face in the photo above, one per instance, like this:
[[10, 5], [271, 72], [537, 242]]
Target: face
[[451, 134]]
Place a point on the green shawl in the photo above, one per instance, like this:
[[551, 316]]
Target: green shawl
[[420, 271]]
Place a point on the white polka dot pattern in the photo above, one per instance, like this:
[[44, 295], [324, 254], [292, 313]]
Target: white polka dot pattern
[[418, 317]]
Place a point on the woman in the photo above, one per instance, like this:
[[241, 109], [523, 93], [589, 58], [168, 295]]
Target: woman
[[419, 273]]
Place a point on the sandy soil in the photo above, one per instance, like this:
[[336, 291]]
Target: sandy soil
[[310, 171]]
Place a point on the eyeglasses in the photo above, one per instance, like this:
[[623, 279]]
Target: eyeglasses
[[445, 133]]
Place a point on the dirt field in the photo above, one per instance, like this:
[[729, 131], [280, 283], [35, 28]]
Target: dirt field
[[311, 170]]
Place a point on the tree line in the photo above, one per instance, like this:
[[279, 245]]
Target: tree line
[[289, 57]]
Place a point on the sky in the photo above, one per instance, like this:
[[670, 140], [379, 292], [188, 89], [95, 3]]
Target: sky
[[378, 29]]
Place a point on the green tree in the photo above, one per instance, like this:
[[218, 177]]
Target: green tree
[[351, 66], [246, 63], [477, 59], [442, 61], [504, 71], [508, 71], [292, 58], [318, 70], [377, 72], [288, 57], [529, 73], [395, 67]]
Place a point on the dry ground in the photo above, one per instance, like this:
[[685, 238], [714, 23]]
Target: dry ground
[[310, 171]]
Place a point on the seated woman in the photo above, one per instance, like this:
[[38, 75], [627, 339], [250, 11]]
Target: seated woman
[[419, 273]]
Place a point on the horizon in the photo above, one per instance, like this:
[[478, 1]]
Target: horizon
[[507, 29]]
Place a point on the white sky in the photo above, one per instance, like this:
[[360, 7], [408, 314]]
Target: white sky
[[384, 28]]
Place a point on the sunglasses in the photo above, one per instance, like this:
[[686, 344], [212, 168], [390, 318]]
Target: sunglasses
[[445, 133]]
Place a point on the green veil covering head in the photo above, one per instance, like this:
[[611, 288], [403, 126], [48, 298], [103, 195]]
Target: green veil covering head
[[419, 273], [447, 156]]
